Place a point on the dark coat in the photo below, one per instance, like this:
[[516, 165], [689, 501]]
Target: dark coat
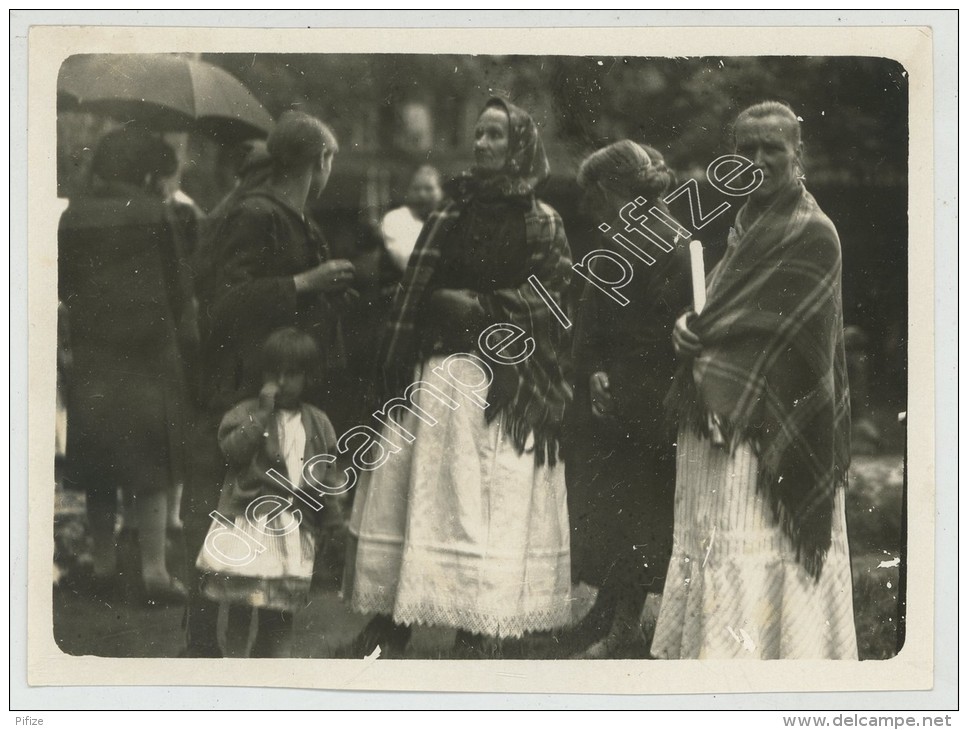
[[262, 245], [249, 439], [122, 279], [247, 292], [621, 470]]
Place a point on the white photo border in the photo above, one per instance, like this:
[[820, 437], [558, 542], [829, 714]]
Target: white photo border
[[933, 352]]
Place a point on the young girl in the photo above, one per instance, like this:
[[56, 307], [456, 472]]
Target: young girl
[[260, 549]]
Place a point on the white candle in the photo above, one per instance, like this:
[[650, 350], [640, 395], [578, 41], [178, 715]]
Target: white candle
[[698, 276]]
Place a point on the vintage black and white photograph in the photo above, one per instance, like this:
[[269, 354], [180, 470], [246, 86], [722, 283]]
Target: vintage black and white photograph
[[480, 356]]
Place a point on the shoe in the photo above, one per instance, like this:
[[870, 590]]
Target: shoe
[[625, 639], [170, 594], [597, 622], [599, 650], [614, 646], [392, 638]]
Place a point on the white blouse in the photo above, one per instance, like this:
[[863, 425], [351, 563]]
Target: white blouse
[[292, 442]]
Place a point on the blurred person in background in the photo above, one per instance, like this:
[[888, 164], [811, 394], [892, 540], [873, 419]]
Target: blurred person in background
[[401, 226], [253, 172], [125, 285]]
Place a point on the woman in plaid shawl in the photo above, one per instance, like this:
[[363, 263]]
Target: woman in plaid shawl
[[761, 567], [467, 524]]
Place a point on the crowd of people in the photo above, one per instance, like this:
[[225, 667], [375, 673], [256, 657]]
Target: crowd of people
[[698, 456]]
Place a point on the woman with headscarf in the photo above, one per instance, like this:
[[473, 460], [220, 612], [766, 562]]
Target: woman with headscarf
[[761, 567], [621, 453], [467, 525]]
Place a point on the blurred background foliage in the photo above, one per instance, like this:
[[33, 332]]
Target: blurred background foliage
[[854, 109]]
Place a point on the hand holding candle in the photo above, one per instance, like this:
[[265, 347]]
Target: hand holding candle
[[698, 276], [687, 345]]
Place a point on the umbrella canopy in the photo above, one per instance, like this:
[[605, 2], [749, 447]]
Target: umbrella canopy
[[164, 92]]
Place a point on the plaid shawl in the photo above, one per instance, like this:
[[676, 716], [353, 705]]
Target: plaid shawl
[[534, 398], [772, 370]]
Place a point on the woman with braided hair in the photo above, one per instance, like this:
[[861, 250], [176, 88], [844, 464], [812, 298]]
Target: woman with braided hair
[[621, 453], [761, 567]]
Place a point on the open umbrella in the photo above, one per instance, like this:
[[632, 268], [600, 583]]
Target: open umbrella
[[164, 92]]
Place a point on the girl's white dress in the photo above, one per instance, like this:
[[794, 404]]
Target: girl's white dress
[[734, 587], [279, 575], [459, 529]]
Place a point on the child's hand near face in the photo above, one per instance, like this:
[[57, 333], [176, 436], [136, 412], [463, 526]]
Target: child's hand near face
[[267, 396]]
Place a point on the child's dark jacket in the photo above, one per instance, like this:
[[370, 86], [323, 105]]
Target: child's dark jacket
[[249, 439]]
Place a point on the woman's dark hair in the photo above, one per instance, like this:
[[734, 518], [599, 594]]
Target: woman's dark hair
[[298, 140], [291, 350], [131, 155], [627, 168]]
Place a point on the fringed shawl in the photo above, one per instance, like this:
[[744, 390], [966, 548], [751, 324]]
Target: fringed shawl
[[772, 369], [534, 397]]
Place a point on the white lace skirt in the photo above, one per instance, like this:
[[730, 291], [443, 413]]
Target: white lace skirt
[[458, 529], [734, 587]]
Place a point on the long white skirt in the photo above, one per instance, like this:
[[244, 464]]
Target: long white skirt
[[734, 587], [458, 529]]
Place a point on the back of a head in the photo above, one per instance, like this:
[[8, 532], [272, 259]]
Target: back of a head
[[297, 141], [132, 156], [627, 168]]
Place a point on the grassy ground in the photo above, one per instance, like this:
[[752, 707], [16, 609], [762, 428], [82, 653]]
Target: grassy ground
[[874, 527], [85, 625]]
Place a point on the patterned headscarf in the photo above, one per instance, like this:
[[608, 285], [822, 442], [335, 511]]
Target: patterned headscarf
[[525, 167], [535, 402]]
